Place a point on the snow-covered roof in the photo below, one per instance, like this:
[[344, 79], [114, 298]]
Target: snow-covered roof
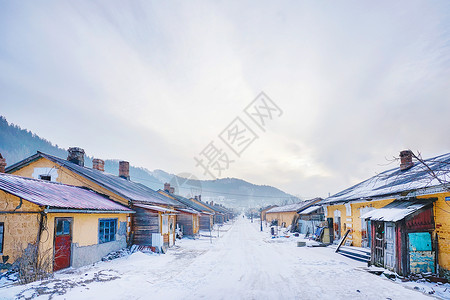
[[57, 195], [126, 188], [395, 211], [310, 209], [395, 181], [293, 207]]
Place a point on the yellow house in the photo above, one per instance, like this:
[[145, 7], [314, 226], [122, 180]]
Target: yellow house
[[67, 225], [286, 214], [188, 217], [151, 225], [264, 212], [397, 210]]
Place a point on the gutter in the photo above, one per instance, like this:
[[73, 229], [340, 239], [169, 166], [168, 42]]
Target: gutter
[[87, 211], [20, 212]]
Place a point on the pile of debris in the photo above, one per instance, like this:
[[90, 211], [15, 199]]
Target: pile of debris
[[116, 254]]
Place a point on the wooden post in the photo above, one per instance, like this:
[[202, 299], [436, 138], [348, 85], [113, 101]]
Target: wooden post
[[343, 239]]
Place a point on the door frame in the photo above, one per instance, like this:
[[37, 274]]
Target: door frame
[[386, 253], [54, 239]]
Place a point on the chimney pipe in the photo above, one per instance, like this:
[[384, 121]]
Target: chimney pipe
[[406, 160], [200, 197], [196, 198], [124, 170], [167, 187], [2, 164], [172, 190], [76, 156], [98, 164]]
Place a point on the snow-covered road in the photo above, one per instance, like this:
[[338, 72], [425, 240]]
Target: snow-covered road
[[243, 263]]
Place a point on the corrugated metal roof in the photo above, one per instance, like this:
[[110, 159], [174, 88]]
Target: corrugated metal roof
[[395, 211], [153, 207], [310, 209], [396, 181], [125, 188], [56, 195]]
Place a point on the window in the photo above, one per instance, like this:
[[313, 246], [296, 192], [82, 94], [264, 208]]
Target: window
[[2, 230], [107, 229], [45, 177], [62, 226]]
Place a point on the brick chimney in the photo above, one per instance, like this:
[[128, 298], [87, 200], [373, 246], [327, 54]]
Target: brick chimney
[[195, 197], [124, 170], [2, 164], [167, 187], [172, 190], [76, 156], [98, 164], [406, 160]]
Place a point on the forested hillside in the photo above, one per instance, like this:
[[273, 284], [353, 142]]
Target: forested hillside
[[17, 144]]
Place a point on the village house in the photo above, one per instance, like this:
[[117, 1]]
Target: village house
[[188, 216], [216, 215], [152, 225], [264, 211], [219, 215], [401, 215], [65, 225], [286, 215]]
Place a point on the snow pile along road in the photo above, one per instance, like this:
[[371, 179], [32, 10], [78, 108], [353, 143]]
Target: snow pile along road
[[242, 264]]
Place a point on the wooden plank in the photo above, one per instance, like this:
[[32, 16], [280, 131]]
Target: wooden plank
[[342, 240]]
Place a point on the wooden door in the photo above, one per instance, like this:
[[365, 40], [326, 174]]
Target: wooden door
[[62, 244], [389, 251], [379, 243]]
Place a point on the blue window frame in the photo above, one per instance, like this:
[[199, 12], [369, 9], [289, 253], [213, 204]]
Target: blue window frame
[[107, 229]]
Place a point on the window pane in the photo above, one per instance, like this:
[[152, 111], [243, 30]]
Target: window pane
[[59, 227], [107, 230], [66, 227]]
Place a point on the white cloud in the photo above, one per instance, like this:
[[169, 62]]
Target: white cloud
[[154, 82]]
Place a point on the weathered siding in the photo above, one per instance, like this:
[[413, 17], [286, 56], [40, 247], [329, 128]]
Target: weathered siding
[[205, 222], [185, 221], [145, 222], [20, 229]]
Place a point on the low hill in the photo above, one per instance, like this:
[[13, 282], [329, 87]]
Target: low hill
[[17, 143]]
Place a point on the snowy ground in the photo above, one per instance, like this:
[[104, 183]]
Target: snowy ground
[[243, 263]]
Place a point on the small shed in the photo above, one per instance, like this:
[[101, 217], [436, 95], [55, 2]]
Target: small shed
[[402, 236], [310, 218]]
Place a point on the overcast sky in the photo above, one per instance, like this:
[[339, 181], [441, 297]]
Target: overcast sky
[[154, 82]]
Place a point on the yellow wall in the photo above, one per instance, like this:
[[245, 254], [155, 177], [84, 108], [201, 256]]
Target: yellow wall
[[22, 229], [353, 221], [67, 177], [19, 229], [282, 217]]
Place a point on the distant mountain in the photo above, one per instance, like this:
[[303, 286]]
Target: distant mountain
[[17, 143]]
